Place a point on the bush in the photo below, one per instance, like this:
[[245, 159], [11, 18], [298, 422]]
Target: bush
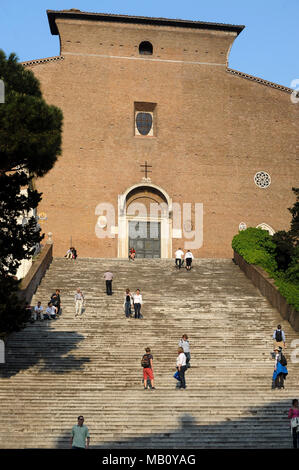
[[258, 247], [290, 291]]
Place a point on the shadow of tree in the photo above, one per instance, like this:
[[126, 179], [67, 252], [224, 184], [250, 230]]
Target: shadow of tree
[[42, 348], [246, 433]]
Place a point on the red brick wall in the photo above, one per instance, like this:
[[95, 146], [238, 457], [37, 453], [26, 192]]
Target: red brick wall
[[214, 131]]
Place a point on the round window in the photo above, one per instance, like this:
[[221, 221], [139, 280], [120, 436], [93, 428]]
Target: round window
[[262, 179]]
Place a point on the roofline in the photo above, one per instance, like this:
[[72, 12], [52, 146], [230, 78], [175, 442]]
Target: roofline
[[80, 15], [262, 81]]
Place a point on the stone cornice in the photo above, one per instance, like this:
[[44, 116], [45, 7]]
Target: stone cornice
[[75, 14], [29, 63], [259, 80]]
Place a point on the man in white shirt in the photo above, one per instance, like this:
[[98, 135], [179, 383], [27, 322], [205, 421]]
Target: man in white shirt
[[38, 311], [108, 276], [137, 299], [79, 300], [181, 366], [188, 257], [51, 311], [178, 258]]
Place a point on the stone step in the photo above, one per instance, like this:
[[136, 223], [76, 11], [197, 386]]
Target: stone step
[[58, 369]]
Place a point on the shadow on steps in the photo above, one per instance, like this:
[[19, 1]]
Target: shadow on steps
[[258, 431], [23, 352]]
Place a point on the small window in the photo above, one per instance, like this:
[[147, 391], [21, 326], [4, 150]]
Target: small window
[[144, 123], [145, 48], [144, 118]]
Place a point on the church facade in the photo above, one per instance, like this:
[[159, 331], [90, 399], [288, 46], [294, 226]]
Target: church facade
[[164, 146]]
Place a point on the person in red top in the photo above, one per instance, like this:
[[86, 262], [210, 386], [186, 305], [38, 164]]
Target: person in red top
[[132, 254], [294, 413]]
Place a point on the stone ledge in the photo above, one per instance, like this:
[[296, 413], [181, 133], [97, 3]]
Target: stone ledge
[[35, 274], [266, 286]]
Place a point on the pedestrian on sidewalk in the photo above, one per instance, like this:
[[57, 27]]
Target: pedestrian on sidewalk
[[280, 371], [128, 303], [181, 367], [178, 258], [293, 415], [279, 337], [108, 276], [188, 258], [79, 301], [184, 343], [137, 299], [148, 369], [80, 435]]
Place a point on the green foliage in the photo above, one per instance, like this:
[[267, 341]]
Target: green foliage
[[290, 291], [284, 249], [295, 217], [30, 130], [30, 141], [17, 240], [292, 273], [257, 247], [13, 314]]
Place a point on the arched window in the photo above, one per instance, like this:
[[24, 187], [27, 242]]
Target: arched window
[[145, 48]]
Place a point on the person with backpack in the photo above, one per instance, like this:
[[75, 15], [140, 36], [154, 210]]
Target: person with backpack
[[293, 415], [279, 337], [148, 368], [280, 371]]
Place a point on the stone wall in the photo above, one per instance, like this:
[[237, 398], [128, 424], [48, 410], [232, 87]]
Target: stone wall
[[37, 271], [267, 287], [213, 131]]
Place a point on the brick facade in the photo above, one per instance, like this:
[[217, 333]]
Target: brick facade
[[214, 130]]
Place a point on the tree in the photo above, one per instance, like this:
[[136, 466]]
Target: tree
[[287, 243], [30, 141], [295, 217]]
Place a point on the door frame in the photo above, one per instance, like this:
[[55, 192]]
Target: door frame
[[123, 225]]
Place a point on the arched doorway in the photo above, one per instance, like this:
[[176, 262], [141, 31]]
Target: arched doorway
[[144, 222]]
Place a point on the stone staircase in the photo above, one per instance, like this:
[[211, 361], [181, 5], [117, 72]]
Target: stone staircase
[[56, 370]]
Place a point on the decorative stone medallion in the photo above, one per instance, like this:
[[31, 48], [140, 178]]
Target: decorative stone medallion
[[262, 179]]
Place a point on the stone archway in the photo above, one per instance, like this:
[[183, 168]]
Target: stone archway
[[144, 221]]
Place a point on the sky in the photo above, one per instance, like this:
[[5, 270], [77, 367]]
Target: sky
[[266, 48]]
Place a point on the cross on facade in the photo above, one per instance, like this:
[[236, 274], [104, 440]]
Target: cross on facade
[[146, 170]]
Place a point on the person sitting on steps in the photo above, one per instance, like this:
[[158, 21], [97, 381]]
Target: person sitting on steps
[[132, 254]]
